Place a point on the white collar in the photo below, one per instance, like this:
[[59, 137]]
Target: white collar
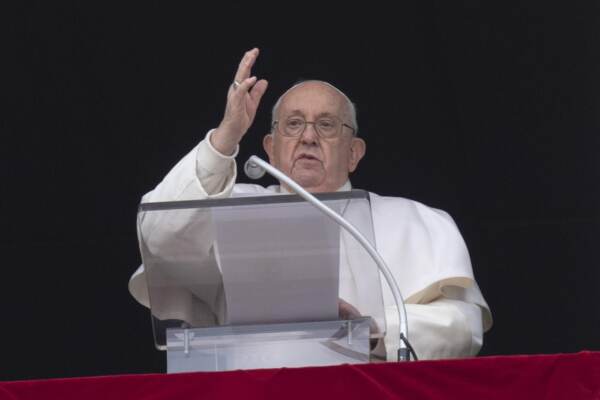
[[344, 188]]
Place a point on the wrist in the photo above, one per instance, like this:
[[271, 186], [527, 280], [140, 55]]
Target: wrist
[[223, 142]]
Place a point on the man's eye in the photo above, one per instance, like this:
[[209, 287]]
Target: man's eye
[[294, 123], [326, 124]]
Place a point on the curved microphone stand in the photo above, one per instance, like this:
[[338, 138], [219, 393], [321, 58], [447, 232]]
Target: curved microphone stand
[[255, 168]]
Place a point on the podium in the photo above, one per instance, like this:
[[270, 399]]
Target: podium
[[257, 282]]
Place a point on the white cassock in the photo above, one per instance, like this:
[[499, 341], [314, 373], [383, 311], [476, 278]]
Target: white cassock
[[422, 246]]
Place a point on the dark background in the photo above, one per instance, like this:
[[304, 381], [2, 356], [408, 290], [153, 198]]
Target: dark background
[[488, 110]]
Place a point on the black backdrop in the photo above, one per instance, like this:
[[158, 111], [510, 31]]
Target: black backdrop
[[488, 110]]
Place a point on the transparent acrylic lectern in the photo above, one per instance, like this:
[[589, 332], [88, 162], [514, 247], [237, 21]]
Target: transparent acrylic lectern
[[260, 282]]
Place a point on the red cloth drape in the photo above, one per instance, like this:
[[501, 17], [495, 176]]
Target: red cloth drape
[[558, 376]]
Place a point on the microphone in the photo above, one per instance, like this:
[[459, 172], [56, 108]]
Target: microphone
[[253, 170], [257, 168]]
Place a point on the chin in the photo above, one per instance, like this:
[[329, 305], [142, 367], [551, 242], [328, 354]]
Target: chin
[[308, 180]]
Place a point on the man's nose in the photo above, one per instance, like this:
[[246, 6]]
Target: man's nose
[[310, 135]]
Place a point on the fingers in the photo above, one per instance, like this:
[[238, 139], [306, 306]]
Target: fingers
[[347, 310], [240, 88], [258, 90], [243, 98], [250, 86], [246, 84], [246, 63]]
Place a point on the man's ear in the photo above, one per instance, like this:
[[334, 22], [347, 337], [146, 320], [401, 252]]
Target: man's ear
[[358, 147], [268, 146]]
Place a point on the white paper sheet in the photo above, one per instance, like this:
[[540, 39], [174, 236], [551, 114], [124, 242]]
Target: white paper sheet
[[279, 264]]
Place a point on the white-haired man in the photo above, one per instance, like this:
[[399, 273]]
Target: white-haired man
[[314, 141]]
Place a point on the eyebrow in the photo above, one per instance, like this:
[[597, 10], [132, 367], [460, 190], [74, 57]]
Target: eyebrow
[[322, 114]]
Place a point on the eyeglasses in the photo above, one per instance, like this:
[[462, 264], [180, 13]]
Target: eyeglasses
[[326, 127]]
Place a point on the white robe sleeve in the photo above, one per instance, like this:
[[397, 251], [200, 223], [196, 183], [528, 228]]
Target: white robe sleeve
[[202, 173], [443, 328]]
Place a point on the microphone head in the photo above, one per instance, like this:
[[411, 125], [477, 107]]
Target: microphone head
[[253, 170]]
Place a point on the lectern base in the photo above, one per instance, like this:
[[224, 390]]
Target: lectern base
[[268, 346]]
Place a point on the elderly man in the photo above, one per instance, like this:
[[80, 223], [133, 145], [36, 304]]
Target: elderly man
[[313, 140]]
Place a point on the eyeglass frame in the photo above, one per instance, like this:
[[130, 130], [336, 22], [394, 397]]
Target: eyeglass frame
[[314, 124]]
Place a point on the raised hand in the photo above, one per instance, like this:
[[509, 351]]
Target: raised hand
[[243, 98]]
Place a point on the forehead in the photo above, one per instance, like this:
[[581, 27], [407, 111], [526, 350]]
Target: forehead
[[312, 99]]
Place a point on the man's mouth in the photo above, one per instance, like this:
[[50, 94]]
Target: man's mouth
[[307, 157]]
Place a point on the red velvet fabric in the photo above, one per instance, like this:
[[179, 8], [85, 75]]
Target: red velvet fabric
[[559, 376]]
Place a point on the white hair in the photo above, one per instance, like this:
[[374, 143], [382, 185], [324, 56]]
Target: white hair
[[351, 107]]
